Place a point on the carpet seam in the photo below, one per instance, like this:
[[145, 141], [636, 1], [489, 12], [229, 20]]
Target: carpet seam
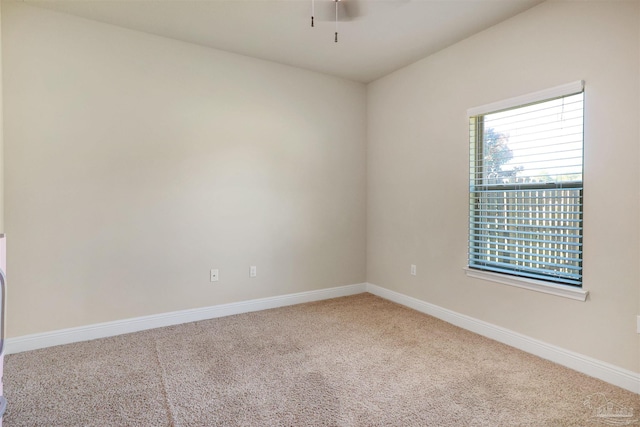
[[163, 380]]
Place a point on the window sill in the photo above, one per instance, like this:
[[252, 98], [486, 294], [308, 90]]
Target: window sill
[[565, 291]]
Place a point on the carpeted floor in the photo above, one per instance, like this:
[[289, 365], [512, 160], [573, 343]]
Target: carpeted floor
[[353, 361]]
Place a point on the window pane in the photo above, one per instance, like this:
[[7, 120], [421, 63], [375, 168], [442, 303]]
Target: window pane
[[536, 143], [526, 190]]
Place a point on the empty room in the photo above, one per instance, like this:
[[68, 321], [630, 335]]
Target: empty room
[[320, 213]]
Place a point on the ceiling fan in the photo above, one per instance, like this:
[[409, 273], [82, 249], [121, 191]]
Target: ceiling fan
[[341, 11], [332, 9], [325, 10]]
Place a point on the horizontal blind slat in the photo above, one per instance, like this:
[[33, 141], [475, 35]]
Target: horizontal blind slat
[[481, 232], [531, 259], [480, 244]]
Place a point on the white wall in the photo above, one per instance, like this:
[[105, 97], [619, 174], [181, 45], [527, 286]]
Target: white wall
[[135, 164], [418, 152]]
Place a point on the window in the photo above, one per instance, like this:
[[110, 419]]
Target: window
[[526, 186]]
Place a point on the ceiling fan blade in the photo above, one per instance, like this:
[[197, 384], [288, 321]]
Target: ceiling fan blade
[[350, 8], [325, 10]]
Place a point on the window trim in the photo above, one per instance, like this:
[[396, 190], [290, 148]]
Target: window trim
[[530, 98], [564, 290]]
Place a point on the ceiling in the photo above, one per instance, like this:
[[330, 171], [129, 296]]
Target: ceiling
[[376, 37]]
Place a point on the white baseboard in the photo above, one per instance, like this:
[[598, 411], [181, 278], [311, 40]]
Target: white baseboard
[[119, 327], [610, 373]]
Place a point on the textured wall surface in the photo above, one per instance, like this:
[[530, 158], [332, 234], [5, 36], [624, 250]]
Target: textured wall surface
[[137, 163], [418, 178]]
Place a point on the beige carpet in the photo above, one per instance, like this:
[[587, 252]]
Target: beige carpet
[[353, 361]]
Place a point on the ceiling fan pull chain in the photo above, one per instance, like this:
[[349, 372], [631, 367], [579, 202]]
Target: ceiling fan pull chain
[[313, 11], [336, 2]]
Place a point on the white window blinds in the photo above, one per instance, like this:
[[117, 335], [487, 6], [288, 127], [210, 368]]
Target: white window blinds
[[526, 186]]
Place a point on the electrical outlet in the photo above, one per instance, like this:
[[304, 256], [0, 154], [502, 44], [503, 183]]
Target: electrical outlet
[[253, 272], [639, 324], [214, 275], [413, 269]]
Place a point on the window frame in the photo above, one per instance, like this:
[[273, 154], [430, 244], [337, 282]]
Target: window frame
[[545, 284]]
